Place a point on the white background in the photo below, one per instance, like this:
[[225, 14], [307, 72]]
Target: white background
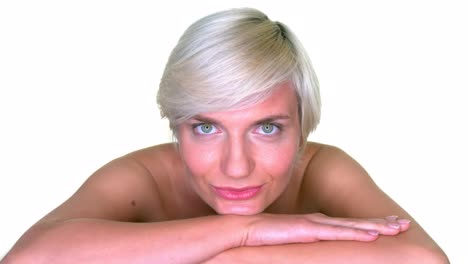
[[78, 81]]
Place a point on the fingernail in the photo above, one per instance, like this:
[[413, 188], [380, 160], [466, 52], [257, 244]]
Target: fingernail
[[404, 221], [394, 225], [391, 217], [373, 232]]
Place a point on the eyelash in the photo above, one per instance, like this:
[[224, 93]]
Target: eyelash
[[276, 129], [197, 126]]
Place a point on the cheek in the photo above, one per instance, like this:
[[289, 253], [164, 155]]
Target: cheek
[[279, 161], [199, 159]]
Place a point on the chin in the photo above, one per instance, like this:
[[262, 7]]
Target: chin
[[238, 209]]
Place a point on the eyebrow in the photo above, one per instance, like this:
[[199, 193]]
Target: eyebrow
[[267, 119], [273, 118]]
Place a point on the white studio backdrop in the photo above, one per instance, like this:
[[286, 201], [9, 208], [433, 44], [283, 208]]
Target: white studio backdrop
[[78, 81]]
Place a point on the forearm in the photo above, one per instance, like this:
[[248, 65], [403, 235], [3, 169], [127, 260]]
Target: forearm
[[101, 241], [384, 250]]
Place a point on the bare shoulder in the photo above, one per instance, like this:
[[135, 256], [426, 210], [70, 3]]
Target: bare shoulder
[[125, 189], [327, 159], [338, 185], [321, 159], [157, 160]]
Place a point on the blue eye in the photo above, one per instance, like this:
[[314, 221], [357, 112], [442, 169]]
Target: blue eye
[[268, 129], [205, 129]]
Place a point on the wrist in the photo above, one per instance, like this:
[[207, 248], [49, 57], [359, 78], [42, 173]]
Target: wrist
[[238, 228]]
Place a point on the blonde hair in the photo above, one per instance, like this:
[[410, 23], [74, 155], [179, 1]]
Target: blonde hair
[[234, 58]]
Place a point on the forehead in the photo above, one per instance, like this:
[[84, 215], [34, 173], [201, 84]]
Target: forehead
[[281, 101]]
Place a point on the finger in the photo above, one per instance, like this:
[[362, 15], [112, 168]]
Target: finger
[[332, 232], [379, 224], [385, 226], [399, 224], [405, 224]]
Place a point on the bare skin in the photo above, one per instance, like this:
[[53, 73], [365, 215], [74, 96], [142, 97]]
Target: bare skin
[[161, 204]]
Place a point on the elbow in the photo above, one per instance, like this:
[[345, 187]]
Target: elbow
[[18, 257], [436, 256], [28, 249], [25, 254], [426, 255]]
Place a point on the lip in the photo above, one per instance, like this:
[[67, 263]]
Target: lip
[[231, 193]]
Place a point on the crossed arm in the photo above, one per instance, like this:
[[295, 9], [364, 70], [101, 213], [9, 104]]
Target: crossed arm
[[342, 188], [96, 225]]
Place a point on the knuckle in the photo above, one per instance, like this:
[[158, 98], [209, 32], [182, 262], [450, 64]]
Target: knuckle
[[318, 216]]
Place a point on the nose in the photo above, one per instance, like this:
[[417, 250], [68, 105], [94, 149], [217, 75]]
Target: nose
[[237, 161]]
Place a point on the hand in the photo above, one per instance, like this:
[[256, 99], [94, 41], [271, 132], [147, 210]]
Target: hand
[[271, 229]]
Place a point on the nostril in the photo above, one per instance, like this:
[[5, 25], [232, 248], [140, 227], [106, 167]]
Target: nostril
[[236, 160], [237, 166]]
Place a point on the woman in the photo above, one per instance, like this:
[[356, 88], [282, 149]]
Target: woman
[[241, 183]]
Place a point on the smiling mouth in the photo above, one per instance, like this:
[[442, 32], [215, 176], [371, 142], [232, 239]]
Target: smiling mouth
[[230, 193]]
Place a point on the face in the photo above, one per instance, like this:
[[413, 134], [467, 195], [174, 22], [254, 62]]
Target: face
[[240, 161]]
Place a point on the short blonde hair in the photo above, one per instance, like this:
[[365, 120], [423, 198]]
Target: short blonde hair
[[232, 59]]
